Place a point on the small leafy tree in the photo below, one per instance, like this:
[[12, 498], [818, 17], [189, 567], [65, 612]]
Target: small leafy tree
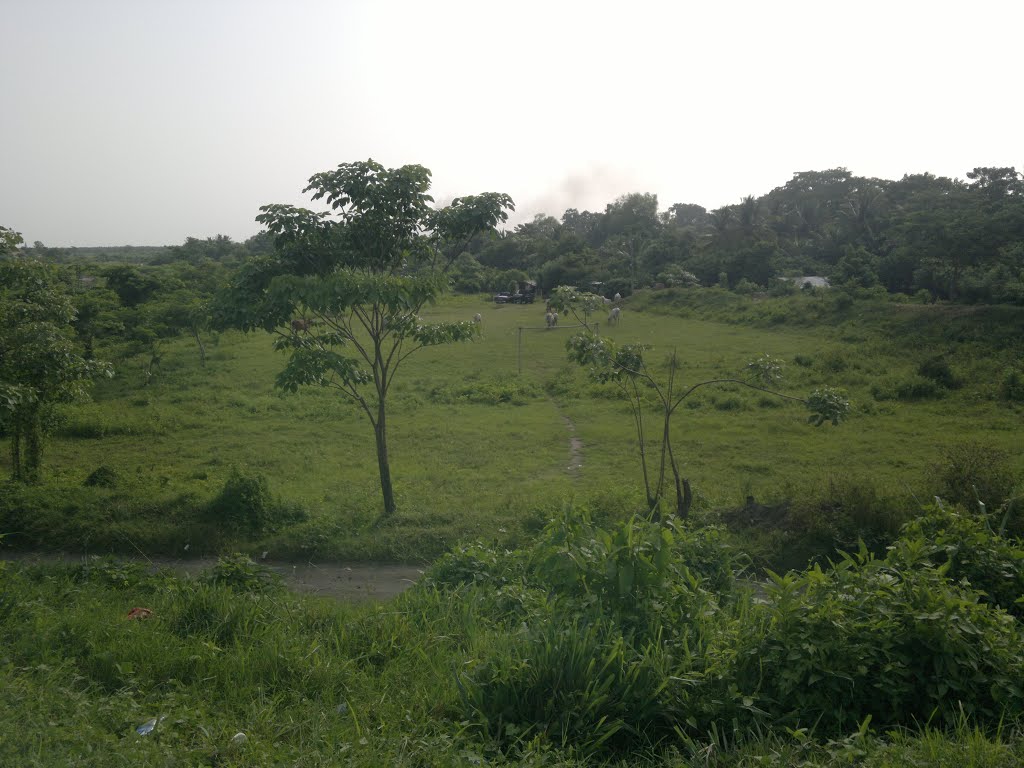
[[580, 304], [40, 361], [627, 367], [354, 279]]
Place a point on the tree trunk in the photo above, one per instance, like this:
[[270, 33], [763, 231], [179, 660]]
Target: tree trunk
[[33, 447], [16, 453], [202, 349], [684, 497], [380, 433]]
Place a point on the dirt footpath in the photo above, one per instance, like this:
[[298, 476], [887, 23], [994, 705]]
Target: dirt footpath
[[350, 582]]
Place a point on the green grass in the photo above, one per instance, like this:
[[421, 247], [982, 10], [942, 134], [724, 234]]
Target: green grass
[[444, 674], [479, 444]]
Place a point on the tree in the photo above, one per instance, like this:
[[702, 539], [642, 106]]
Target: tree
[[357, 276], [40, 363], [627, 367], [131, 286]]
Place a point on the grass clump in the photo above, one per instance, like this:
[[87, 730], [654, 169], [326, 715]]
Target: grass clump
[[103, 476]]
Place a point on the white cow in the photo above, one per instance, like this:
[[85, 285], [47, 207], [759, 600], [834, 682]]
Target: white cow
[[478, 318], [613, 316], [549, 319], [618, 297]]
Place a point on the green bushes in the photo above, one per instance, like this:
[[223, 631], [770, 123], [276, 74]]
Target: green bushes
[[879, 639], [632, 641], [245, 505], [1011, 388], [641, 635], [964, 547], [970, 471], [240, 573], [910, 388], [938, 370]]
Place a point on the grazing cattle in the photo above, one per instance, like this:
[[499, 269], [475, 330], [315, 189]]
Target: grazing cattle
[[618, 297], [478, 318], [549, 318], [300, 324], [613, 316], [607, 301], [554, 319]]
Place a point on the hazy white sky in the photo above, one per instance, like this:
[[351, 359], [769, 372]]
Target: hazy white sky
[[145, 121]]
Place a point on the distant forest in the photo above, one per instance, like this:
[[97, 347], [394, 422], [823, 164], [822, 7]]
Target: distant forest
[[941, 238]]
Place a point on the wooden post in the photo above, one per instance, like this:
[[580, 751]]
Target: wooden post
[[519, 351]]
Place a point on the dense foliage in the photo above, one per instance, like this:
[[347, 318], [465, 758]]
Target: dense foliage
[[41, 365], [635, 642], [947, 238]]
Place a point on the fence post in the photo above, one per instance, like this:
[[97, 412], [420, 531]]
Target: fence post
[[519, 352]]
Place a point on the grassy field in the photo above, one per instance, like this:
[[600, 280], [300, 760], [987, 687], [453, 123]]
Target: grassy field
[[480, 439], [490, 659]]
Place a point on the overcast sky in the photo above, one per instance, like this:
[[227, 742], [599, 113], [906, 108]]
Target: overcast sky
[[143, 122]]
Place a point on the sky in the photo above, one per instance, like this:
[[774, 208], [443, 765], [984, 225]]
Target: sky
[[143, 122]]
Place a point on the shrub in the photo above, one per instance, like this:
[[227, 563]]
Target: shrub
[[103, 476], [240, 573], [246, 506], [965, 547], [111, 573], [746, 287], [876, 638], [1012, 386], [833, 360], [972, 471], [910, 389], [937, 369], [244, 503]]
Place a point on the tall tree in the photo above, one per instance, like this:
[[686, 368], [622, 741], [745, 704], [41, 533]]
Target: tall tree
[[357, 277]]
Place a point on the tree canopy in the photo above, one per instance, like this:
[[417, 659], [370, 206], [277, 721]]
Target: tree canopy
[[40, 361], [343, 288]]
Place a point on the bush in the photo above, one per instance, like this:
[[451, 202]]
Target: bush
[[966, 547], [878, 638], [103, 476], [244, 503], [240, 573], [937, 369], [912, 388], [1012, 386], [970, 471]]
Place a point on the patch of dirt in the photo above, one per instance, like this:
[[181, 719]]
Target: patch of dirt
[[351, 582], [575, 449]]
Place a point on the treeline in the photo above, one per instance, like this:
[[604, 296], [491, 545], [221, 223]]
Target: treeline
[[942, 238], [132, 298], [956, 240]]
